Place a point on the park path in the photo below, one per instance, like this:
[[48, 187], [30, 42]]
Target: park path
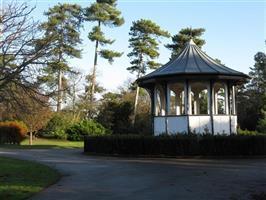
[[102, 178]]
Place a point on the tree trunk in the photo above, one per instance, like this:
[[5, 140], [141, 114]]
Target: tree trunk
[[93, 81], [74, 98], [137, 91], [60, 72], [136, 105], [30, 141], [136, 102], [59, 92]]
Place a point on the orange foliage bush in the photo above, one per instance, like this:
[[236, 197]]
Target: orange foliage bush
[[12, 132]]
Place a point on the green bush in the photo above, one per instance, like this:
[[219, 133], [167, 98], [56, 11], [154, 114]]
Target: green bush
[[77, 131], [57, 125], [116, 116], [177, 145], [246, 132], [12, 132], [262, 125]]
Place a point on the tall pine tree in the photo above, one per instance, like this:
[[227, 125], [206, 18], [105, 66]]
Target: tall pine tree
[[179, 40], [258, 73], [104, 13], [144, 43], [251, 104], [89, 109], [62, 27]]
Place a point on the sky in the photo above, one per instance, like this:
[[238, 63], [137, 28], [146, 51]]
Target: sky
[[235, 31]]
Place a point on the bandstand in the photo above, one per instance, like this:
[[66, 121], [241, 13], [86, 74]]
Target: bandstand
[[193, 93]]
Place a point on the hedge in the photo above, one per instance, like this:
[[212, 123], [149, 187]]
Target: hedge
[[12, 132], [178, 145]]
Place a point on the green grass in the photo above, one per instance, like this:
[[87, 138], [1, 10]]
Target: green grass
[[21, 179], [40, 143]]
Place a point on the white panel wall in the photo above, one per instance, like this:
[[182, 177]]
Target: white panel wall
[[234, 124], [159, 125], [221, 124], [200, 124], [177, 124]]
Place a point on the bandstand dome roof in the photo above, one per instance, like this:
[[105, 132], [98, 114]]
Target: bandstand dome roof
[[192, 62]]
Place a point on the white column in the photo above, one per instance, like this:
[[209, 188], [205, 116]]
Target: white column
[[213, 100], [226, 98], [163, 100], [167, 99], [233, 100], [211, 89], [189, 100], [185, 98], [209, 98], [155, 101], [182, 109]]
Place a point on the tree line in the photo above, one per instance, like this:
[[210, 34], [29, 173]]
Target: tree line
[[35, 68]]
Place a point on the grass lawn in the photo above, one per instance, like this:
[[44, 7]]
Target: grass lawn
[[46, 143], [21, 179]]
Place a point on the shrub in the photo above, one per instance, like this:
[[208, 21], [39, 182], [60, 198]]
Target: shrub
[[262, 124], [77, 131], [57, 125], [246, 132], [177, 145], [12, 132], [116, 116]]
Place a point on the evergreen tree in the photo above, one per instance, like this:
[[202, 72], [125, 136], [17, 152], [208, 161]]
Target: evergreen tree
[[179, 40], [62, 28], [144, 44], [86, 107], [88, 88], [258, 73], [116, 111], [104, 13], [252, 98]]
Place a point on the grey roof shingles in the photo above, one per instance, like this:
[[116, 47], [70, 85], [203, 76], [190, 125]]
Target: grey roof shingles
[[192, 60]]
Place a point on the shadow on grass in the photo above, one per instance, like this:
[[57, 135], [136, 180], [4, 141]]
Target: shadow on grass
[[23, 178], [18, 192], [41, 146]]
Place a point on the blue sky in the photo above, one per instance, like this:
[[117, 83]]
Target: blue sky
[[235, 31]]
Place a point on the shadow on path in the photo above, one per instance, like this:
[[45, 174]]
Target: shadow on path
[[108, 178]]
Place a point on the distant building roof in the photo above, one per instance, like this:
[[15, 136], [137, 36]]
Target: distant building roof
[[193, 61]]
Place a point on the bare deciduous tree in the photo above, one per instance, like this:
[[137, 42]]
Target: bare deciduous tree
[[21, 52]]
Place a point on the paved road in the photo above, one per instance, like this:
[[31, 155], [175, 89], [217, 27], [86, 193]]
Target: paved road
[[102, 178]]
